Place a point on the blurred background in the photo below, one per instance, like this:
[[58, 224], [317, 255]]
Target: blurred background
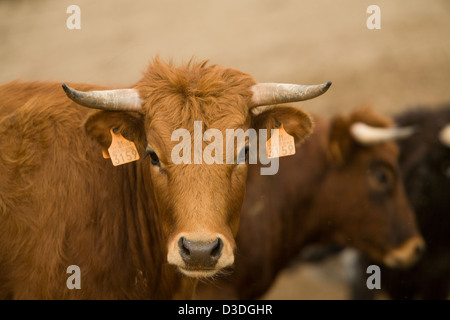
[[404, 64]]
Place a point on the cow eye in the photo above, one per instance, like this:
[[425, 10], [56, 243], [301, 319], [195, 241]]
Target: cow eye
[[381, 178], [153, 157], [243, 155]]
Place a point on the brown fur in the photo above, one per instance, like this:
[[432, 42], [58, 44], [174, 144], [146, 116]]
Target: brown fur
[[61, 203], [319, 196]]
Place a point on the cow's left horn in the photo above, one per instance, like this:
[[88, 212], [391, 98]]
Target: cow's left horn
[[444, 136], [367, 135], [273, 93], [112, 100]]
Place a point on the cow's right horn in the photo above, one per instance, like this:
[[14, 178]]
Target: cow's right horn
[[273, 93], [112, 100], [444, 136], [368, 135]]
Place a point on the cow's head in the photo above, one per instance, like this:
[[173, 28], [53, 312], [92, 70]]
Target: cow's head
[[198, 204], [368, 205]]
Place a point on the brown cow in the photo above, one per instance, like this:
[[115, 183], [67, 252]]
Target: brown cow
[[425, 167], [62, 204], [342, 187]]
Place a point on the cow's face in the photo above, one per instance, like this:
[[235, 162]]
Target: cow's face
[[370, 209], [199, 205], [198, 202]]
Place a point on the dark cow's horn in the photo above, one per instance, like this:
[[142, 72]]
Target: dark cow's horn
[[444, 136], [273, 93], [112, 100], [368, 135]]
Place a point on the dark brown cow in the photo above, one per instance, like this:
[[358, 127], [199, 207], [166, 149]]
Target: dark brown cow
[[146, 229], [425, 167], [342, 187]]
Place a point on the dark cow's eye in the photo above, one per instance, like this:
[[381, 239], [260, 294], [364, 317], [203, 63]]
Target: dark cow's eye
[[243, 155], [246, 153], [153, 157], [381, 178]]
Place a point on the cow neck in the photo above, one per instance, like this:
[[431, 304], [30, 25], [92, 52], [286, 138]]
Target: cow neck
[[297, 213], [317, 230], [311, 165], [289, 201]]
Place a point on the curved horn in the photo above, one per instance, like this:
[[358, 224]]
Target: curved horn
[[444, 136], [112, 100], [273, 93], [367, 135]]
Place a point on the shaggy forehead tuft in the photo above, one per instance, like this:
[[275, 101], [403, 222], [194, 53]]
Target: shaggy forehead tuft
[[175, 97]]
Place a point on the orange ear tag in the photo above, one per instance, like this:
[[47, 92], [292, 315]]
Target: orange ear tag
[[105, 154], [280, 144], [121, 150]]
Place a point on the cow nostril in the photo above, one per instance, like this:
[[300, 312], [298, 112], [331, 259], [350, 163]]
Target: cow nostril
[[217, 249], [184, 251]]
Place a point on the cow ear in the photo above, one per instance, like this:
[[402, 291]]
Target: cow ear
[[340, 142], [129, 124], [296, 122]]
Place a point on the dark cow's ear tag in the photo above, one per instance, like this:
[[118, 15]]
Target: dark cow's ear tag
[[121, 150], [280, 144]]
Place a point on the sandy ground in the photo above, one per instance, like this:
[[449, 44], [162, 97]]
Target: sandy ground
[[405, 63]]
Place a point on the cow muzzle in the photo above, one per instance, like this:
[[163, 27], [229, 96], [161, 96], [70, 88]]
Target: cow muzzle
[[200, 254], [405, 255], [199, 257]]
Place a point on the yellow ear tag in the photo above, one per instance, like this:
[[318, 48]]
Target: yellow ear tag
[[121, 150], [280, 144]]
